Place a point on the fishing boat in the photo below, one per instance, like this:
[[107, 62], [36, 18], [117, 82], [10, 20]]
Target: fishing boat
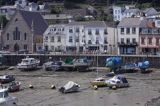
[[80, 64], [28, 64], [53, 66], [6, 100]]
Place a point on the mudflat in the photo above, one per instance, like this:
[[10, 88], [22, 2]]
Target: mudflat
[[143, 88]]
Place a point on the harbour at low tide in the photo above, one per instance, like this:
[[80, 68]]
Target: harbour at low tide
[[143, 87]]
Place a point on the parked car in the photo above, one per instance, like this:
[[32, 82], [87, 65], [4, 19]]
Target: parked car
[[118, 81], [14, 86], [6, 79]]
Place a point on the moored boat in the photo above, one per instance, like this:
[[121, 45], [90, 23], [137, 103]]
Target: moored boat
[[28, 64], [6, 100], [99, 82]]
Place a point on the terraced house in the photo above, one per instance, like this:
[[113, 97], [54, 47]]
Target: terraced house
[[150, 37], [78, 37], [128, 35], [24, 31]]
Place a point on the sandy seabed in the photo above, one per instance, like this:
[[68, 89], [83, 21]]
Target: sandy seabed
[[144, 89]]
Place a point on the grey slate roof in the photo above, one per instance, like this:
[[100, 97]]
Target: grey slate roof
[[150, 11], [40, 25], [89, 23], [76, 12], [132, 11], [57, 16], [129, 22], [132, 22]]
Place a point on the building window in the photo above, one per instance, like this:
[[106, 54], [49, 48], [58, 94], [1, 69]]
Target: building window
[[25, 36], [122, 30], [89, 32], [105, 40], [133, 30], [52, 48], [97, 41], [52, 39], [157, 41], [128, 40], [54, 29], [59, 39], [46, 38], [16, 34], [105, 31], [25, 47], [149, 31], [128, 31], [144, 31], [70, 39], [77, 30], [62, 29], [89, 42], [155, 31], [7, 47], [142, 41], [115, 11], [97, 32], [70, 30], [122, 40], [59, 29], [133, 40], [77, 39], [7, 36], [150, 41]]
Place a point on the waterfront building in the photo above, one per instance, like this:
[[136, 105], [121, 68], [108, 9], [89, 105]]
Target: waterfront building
[[123, 12], [87, 36], [150, 37], [24, 31], [128, 35]]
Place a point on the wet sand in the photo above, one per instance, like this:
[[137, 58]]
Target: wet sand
[[143, 88]]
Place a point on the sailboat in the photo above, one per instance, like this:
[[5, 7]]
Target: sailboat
[[99, 81]]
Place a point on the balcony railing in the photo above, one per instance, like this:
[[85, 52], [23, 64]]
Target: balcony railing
[[128, 44]]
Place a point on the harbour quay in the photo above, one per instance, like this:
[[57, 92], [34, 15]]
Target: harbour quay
[[14, 59]]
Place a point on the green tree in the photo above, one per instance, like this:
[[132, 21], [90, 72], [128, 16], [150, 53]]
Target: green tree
[[3, 20], [2, 2]]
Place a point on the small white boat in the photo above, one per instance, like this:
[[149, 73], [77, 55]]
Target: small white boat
[[28, 64], [99, 82], [70, 87], [6, 100]]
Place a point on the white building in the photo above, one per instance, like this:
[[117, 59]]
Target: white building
[[128, 35], [54, 38], [122, 12], [78, 36]]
